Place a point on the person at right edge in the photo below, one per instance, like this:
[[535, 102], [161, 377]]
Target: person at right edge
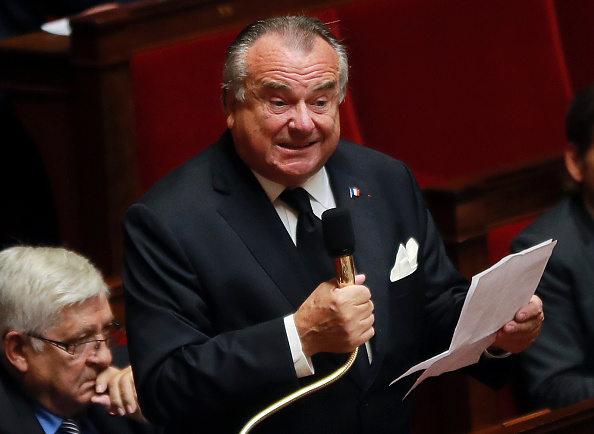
[[225, 313], [558, 369]]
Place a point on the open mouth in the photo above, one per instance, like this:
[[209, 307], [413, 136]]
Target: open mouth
[[296, 146]]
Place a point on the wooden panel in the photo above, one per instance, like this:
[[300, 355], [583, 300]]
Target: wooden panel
[[466, 209], [574, 419]]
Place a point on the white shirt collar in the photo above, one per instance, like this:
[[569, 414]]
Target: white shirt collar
[[318, 187]]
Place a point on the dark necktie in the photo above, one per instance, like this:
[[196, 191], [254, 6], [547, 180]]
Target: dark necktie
[[69, 426], [310, 240], [310, 245]]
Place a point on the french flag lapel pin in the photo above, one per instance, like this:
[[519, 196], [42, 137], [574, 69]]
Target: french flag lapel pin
[[354, 192]]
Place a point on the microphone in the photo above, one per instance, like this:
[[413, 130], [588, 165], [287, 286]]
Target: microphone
[[339, 240]]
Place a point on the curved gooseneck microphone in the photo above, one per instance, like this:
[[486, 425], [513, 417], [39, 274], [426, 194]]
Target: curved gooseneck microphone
[[339, 240]]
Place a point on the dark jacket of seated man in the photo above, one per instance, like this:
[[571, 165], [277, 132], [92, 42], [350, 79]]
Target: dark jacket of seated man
[[558, 369], [55, 365]]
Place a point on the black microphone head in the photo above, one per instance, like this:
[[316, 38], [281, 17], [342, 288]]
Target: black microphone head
[[339, 237]]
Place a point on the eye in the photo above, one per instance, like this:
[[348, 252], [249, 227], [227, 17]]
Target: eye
[[321, 103], [278, 103], [79, 341]]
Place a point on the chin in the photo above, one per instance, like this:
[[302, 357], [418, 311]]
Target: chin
[[86, 393], [299, 170], [294, 179]]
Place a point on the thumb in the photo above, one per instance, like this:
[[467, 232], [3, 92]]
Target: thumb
[[359, 279]]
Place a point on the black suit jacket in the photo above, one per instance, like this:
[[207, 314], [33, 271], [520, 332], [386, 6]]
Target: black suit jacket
[[18, 416], [210, 272], [558, 369]]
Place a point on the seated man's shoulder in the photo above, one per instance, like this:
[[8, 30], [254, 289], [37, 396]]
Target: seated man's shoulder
[[563, 223]]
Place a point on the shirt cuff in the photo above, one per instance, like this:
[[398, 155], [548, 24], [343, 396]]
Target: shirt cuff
[[496, 353], [302, 363]]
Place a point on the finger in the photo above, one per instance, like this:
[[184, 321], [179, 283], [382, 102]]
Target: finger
[[367, 335], [368, 321], [115, 394], [364, 310], [128, 394], [102, 400], [359, 279], [352, 295], [531, 310], [103, 379]]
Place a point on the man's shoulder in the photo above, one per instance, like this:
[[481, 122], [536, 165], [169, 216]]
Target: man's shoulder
[[559, 223], [554, 220], [17, 414], [194, 175], [359, 157]]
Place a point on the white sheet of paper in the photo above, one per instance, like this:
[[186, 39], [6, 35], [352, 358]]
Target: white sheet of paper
[[57, 27], [494, 297]]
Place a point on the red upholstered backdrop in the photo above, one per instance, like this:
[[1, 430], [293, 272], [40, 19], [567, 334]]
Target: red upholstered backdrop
[[177, 95], [456, 86], [576, 26]]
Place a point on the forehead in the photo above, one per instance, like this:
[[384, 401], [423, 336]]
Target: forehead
[[272, 59], [90, 314]]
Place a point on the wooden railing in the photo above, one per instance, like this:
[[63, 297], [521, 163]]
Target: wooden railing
[[466, 210], [574, 419]]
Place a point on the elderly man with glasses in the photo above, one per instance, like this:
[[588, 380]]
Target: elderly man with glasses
[[56, 326]]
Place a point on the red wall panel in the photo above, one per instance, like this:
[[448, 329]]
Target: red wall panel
[[459, 86]]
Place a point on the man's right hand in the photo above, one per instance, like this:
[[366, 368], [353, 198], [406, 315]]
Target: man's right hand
[[117, 393], [335, 320]]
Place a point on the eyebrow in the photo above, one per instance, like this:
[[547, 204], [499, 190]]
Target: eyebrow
[[90, 330], [277, 85], [327, 85]]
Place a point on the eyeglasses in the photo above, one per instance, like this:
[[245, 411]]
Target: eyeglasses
[[78, 349]]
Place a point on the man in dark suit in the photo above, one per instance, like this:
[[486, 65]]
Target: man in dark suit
[[55, 323], [558, 369], [224, 314]]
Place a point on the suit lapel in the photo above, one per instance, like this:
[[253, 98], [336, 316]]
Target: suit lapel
[[248, 210], [369, 246]]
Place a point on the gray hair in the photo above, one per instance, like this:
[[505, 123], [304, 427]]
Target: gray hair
[[36, 283], [298, 31]]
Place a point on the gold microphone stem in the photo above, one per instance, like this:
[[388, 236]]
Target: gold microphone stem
[[345, 270], [326, 381]]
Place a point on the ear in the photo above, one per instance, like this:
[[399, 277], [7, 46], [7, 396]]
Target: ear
[[230, 107], [574, 163], [14, 348]]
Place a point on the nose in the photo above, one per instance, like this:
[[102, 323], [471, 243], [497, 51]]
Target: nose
[[301, 120], [102, 355]]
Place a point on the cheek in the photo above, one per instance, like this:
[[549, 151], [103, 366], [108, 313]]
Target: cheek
[[76, 372], [269, 125], [328, 123], [258, 125], [331, 130]]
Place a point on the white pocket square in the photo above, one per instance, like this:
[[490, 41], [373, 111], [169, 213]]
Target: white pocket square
[[406, 260]]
